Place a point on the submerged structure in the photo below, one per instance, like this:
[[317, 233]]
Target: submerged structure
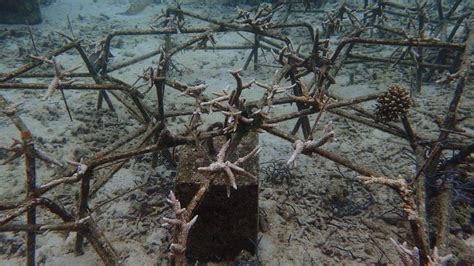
[[209, 100]]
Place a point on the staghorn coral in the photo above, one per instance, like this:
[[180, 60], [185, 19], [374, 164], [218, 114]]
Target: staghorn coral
[[411, 257], [229, 168], [234, 118], [401, 186], [224, 96], [271, 90], [261, 20], [308, 146], [183, 226], [395, 102], [60, 78], [436, 260]]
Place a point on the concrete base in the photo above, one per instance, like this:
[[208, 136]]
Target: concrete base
[[19, 12], [225, 226]]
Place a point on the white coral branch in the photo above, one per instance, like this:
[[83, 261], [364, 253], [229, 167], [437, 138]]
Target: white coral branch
[[234, 118], [271, 90], [52, 87], [81, 167], [310, 145], [60, 78], [436, 260], [254, 152], [411, 257], [222, 97], [194, 90], [220, 165], [401, 186], [182, 226]]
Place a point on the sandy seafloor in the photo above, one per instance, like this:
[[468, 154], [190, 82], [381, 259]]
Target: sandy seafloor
[[308, 221]]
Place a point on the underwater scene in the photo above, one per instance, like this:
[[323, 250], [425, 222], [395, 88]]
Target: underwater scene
[[236, 132]]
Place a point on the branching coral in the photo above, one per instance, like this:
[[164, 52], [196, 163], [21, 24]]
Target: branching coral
[[234, 118], [81, 167], [436, 260], [183, 226], [316, 101], [261, 20], [224, 96], [60, 78], [415, 255], [235, 99], [221, 165], [401, 186], [271, 90], [242, 116], [411, 257], [310, 145]]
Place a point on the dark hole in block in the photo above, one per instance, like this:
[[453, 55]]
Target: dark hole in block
[[225, 226]]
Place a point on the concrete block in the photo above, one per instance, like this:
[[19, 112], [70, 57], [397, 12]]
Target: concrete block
[[225, 226], [19, 12]]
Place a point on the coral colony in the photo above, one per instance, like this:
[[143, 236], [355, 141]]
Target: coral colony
[[302, 77]]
